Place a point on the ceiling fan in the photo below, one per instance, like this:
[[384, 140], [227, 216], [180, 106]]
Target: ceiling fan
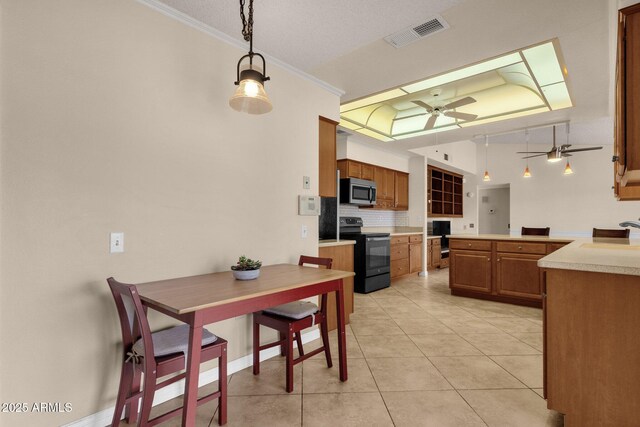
[[557, 153], [444, 110]]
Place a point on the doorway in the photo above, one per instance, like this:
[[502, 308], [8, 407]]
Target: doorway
[[493, 210]]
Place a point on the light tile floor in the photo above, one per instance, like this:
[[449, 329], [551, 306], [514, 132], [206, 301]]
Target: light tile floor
[[417, 356]]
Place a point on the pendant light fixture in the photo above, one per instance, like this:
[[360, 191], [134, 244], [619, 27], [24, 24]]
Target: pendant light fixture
[[486, 177], [250, 97], [567, 168], [527, 173]]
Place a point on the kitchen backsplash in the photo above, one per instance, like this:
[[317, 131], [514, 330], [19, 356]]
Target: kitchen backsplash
[[376, 218]]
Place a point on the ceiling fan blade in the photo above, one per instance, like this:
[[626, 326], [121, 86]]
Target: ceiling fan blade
[[535, 155], [460, 102], [424, 105], [431, 122], [563, 146], [531, 152], [461, 116], [575, 150]]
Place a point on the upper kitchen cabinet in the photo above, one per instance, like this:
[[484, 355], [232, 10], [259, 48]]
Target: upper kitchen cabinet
[[392, 186], [327, 158], [627, 120], [444, 193], [401, 190]]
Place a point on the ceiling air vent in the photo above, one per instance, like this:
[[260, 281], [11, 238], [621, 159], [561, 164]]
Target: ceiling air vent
[[416, 32]]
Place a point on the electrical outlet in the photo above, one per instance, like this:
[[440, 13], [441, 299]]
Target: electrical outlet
[[304, 232], [116, 243], [306, 182]]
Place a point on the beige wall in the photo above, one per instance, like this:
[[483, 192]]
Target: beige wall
[[115, 118], [570, 205]]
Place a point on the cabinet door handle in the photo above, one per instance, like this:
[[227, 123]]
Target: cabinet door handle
[[498, 259], [519, 247], [489, 259], [469, 244]]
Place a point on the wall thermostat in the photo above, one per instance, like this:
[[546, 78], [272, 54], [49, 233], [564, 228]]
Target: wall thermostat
[[309, 205]]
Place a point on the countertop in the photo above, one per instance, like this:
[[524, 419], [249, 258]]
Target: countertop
[[333, 242], [600, 255], [508, 237]]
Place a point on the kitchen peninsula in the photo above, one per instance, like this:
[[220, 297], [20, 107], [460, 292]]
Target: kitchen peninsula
[[499, 267], [591, 323]]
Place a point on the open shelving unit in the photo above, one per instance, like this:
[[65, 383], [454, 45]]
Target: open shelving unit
[[444, 193]]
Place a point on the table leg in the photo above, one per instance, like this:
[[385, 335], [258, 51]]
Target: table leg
[[193, 370], [342, 339]]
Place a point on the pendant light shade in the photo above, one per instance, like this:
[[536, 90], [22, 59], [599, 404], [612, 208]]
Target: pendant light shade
[[567, 169], [486, 177], [250, 96], [527, 172]]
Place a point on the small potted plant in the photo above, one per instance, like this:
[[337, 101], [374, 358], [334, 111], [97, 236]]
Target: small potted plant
[[246, 268]]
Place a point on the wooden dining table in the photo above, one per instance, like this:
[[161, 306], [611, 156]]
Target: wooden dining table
[[209, 298]]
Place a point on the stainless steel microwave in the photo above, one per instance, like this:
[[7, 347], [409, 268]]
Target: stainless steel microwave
[[357, 191]]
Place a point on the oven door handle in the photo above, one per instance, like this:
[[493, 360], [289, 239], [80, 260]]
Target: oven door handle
[[377, 239]]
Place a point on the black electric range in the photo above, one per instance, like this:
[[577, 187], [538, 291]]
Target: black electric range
[[371, 256]]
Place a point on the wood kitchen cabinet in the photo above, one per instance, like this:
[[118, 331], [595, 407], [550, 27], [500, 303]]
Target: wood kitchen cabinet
[[627, 117], [342, 257], [499, 270], [327, 158], [470, 270], [392, 186], [406, 254], [444, 193], [434, 260], [401, 190]]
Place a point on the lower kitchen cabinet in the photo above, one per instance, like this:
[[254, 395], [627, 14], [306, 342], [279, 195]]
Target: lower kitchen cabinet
[[518, 275], [342, 257], [434, 258], [500, 270], [470, 270], [406, 254]]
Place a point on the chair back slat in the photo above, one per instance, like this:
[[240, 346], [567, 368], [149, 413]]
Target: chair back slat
[[622, 233], [311, 260], [530, 231], [133, 317]]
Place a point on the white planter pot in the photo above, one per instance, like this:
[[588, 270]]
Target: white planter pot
[[246, 274]]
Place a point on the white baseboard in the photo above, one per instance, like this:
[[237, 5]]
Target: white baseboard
[[103, 418]]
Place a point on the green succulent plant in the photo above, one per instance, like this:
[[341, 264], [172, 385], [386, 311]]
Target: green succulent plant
[[245, 263]]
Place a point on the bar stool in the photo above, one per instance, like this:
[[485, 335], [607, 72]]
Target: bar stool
[[156, 355], [528, 231], [622, 233], [289, 320]]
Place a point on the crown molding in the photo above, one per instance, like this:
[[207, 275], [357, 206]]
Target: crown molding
[[207, 29]]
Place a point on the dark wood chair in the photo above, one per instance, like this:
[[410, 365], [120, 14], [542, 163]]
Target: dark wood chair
[[140, 356], [290, 325], [528, 231], [622, 233]]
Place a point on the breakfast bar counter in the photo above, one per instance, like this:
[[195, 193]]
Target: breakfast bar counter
[[591, 292]]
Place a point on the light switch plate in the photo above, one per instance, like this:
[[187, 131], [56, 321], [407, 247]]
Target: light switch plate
[[116, 243]]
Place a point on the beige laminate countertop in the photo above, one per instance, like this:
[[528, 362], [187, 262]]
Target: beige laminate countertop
[[614, 256], [333, 242], [508, 237]]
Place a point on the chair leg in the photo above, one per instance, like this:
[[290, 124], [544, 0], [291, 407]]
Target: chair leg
[[126, 378], [283, 350], [147, 396], [325, 341], [299, 341], [131, 409], [222, 386], [289, 362], [256, 346]]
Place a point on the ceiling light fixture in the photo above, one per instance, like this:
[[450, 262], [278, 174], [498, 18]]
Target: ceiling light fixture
[[250, 97], [527, 173], [486, 177]]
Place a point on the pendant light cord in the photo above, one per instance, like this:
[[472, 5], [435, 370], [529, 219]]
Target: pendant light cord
[[526, 133]]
